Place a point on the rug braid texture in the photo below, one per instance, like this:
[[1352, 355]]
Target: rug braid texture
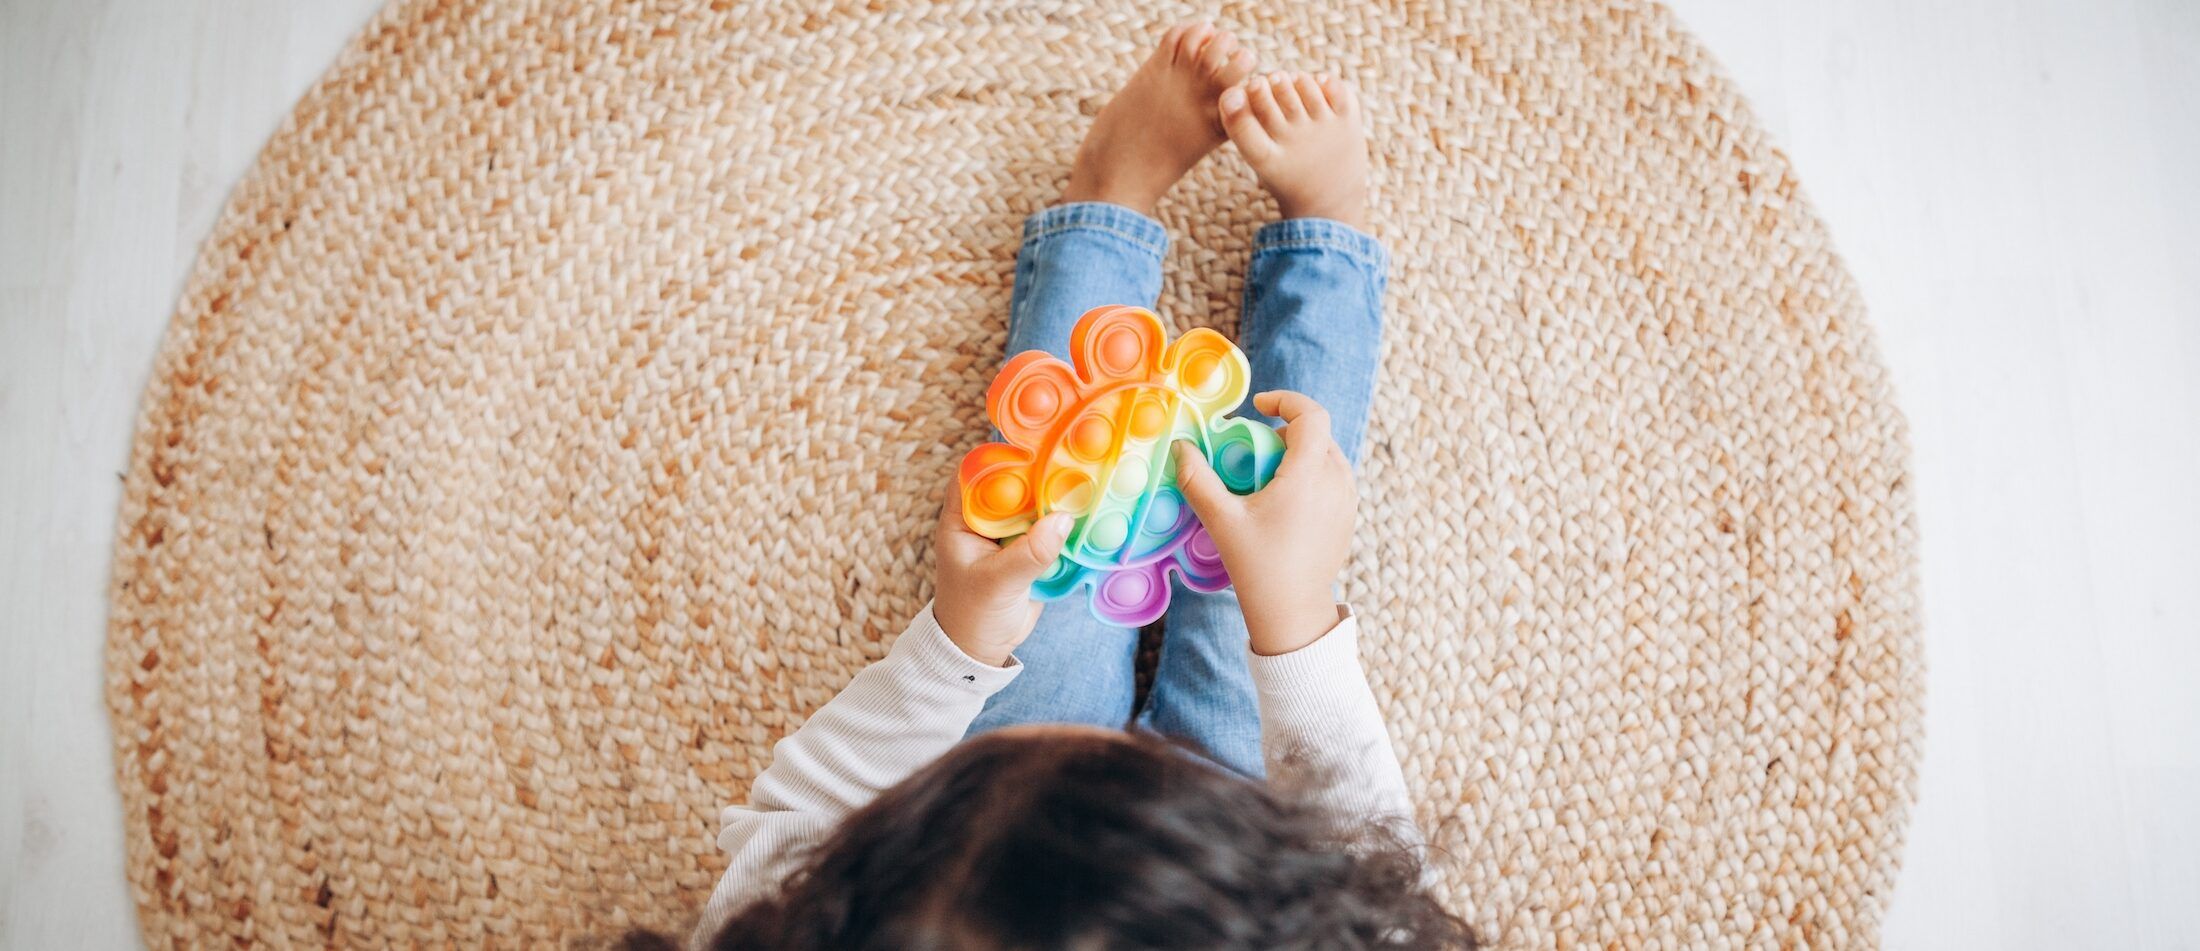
[[557, 413]]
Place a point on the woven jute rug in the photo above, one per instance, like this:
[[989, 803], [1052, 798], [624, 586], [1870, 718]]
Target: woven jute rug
[[557, 414]]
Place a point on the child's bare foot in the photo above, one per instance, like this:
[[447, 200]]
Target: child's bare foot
[[1162, 122], [1302, 136]]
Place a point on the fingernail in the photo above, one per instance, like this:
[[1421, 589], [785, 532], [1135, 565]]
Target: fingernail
[[1233, 99]]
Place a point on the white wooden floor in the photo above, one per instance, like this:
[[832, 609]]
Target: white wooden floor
[[2013, 183]]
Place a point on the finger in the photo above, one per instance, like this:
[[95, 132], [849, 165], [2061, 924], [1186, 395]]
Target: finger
[[951, 514], [952, 523], [953, 541], [1307, 441], [1032, 554], [1305, 422], [952, 507], [1209, 498]]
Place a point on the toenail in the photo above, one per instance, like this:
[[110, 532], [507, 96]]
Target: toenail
[[1233, 98]]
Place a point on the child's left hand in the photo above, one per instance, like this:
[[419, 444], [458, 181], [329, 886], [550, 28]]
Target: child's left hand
[[982, 589]]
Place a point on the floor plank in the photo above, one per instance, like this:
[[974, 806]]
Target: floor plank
[[2001, 179], [127, 124]]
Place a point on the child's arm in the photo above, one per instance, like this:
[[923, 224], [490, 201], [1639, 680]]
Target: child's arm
[[1284, 546], [896, 715], [1322, 732]]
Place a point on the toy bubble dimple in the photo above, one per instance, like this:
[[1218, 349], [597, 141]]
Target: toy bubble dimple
[[1091, 437]]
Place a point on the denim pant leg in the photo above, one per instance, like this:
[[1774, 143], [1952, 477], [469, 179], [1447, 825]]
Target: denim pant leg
[[1313, 322], [1074, 258]]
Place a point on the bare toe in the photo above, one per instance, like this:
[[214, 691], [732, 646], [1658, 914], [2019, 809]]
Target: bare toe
[[1174, 35], [1234, 72], [1310, 94], [1217, 52], [1342, 97], [1262, 97], [1189, 41], [1287, 96], [1241, 119]]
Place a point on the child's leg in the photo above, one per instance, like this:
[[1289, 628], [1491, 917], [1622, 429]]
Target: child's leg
[[1075, 257], [1102, 248], [1312, 322]]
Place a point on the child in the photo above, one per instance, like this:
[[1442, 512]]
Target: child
[[879, 825]]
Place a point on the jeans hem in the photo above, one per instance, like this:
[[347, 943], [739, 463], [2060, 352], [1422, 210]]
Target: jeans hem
[[1099, 217], [1323, 233]]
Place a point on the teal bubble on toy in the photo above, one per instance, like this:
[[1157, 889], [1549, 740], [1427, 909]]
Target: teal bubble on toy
[[1245, 454], [1235, 465]]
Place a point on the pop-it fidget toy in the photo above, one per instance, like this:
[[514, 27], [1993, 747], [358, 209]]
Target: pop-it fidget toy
[[1094, 441]]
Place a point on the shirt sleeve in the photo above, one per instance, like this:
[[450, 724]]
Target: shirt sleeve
[[896, 716], [1323, 734]]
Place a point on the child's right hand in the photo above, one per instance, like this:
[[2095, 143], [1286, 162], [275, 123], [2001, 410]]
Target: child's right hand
[[1285, 544]]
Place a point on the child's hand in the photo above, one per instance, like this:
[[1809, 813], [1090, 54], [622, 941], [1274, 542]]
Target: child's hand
[[982, 590], [1284, 544]]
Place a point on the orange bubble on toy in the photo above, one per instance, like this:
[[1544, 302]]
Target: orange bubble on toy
[[1092, 437]]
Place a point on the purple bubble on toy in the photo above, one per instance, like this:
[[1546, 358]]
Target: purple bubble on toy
[[1132, 597], [1199, 562]]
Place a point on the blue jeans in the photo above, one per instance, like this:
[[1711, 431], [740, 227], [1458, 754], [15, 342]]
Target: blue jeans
[[1312, 322]]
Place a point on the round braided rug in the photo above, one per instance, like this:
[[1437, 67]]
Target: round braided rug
[[557, 414]]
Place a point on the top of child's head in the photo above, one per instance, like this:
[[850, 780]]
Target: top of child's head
[[1050, 837]]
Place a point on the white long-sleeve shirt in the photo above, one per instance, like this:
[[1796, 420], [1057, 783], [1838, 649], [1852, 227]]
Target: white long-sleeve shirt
[[1321, 732]]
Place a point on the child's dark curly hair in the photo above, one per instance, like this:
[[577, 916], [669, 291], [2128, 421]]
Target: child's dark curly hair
[[1094, 840]]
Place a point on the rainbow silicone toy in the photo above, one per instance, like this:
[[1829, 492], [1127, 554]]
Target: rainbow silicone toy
[[1094, 441]]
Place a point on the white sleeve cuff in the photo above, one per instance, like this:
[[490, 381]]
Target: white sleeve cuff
[[1329, 656], [926, 648]]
